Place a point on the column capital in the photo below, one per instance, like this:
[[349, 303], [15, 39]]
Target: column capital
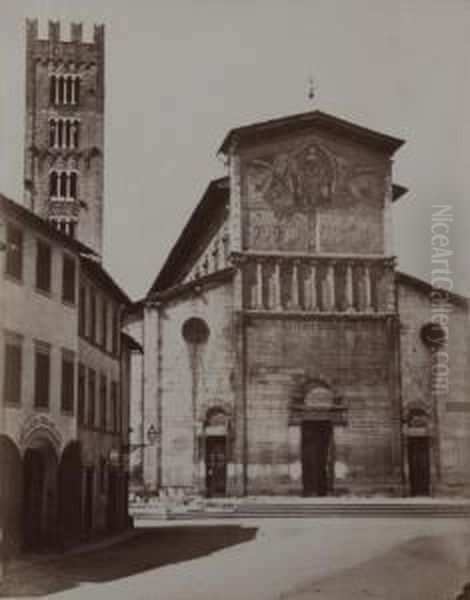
[[237, 258]]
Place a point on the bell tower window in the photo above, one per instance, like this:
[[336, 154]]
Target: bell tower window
[[63, 185], [52, 89], [54, 184], [64, 225], [64, 133], [73, 185], [64, 89]]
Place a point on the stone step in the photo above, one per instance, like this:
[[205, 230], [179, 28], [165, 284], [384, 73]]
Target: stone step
[[304, 510]]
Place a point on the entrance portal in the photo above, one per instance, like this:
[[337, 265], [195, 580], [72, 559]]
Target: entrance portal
[[419, 466], [40, 476], [216, 465], [316, 443]]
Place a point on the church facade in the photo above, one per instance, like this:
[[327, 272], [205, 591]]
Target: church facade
[[283, 352]]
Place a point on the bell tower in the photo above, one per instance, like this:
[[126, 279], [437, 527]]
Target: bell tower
[[64, 133]]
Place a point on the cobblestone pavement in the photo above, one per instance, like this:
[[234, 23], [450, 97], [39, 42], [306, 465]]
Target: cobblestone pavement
[[296, 559]]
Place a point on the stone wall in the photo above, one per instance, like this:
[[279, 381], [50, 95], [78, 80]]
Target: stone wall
[[448, 409], [192, 378], [357, 358]]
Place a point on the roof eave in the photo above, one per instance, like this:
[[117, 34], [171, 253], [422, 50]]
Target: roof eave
[[319, 118]]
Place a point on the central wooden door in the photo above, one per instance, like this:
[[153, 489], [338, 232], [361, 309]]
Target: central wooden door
[[419, 466], [216, 466], [316, 442], [33, 505]]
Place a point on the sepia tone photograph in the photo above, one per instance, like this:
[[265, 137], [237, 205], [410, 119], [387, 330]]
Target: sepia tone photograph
[[235, 299]]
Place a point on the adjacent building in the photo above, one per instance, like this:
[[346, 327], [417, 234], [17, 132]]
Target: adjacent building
[[64, 378], [283, 352], [64, 361]]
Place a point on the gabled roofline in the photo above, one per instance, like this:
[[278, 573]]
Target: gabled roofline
[[20, 212], [317, 118], [425, 286], [184, 248]]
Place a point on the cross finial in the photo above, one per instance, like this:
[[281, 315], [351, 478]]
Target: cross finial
[[312, 88]]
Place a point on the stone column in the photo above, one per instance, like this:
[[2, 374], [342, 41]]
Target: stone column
[[73, 86], [367, 288], [295, 286], [54, 124], [313, 305], [259, 285], [56, 89], [349, 288], [330, 286], [277, 286], [68, 185]]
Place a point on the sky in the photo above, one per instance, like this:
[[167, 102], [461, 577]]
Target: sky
[[181, 73]]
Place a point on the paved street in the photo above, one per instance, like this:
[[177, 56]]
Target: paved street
[[297, 559]]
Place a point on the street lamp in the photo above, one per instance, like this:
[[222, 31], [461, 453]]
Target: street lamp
[[152, 435]]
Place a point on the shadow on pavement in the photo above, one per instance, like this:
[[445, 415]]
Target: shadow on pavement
[[429, 567], [149, 549]]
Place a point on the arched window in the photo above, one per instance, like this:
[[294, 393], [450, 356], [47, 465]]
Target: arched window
[[68, 138], [61, 89], [77, 89], [73, 185], [69, 89], [63, 185], [76, 134], [52, 88], [60, 133], [54, 184], [52, 133]]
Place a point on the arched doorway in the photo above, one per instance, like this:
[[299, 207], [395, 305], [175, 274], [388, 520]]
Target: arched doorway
[[40, 497], [11, 496], [215, 431], [315, 410], [70, 494], [317, 464], [419, 452]]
